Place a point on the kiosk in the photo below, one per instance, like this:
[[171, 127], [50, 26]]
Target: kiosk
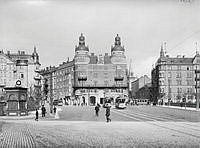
[[16, 98]]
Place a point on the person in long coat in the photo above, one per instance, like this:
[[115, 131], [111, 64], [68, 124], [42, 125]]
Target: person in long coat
[[36, 115], [108, 114], [43, 111]]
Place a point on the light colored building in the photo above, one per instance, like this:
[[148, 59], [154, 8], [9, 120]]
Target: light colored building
[[173, 78], [139, 83], [63, 80], [97, 77], [18, 68]]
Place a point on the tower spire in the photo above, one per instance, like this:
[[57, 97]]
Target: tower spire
[[196, 48], [162, 54], [34, 49]]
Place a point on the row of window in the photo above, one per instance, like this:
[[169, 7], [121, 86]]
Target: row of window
[[178, 74], [178, 90], [175, 67], [64, 72], [177, 82]]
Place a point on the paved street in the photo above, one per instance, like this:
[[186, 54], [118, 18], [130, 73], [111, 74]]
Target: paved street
[[140, 126], [131, 113]]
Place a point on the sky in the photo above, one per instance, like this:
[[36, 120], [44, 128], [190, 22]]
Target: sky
[[54, 26]]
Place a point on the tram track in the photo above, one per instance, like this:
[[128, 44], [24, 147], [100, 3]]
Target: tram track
[[169, 119], [164, 125]]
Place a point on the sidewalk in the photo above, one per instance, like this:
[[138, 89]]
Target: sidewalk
[[181, 108], [31, 115]]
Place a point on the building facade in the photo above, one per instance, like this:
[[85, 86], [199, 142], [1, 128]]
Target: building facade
[[174, 78], [19, 69], [97, 77], [139, 83]]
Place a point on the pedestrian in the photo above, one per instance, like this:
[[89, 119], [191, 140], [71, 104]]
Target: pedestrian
[[108, 113], [54, 109], [36, 115], [97, 110], [43, 111]]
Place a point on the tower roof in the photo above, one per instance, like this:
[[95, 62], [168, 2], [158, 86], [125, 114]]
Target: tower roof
[[117, 46], [81, 45]]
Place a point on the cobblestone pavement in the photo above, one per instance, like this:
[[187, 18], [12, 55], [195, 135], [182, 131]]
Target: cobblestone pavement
[[30, 133], [131, 113]]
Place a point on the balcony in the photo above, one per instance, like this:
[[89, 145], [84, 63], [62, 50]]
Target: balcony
[[37, 85], [119, 78], [37, 78], [82, 78], [197, 79], [197, 71]]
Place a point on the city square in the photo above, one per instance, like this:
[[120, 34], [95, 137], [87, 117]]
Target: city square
[[147, 126], [99, 73]]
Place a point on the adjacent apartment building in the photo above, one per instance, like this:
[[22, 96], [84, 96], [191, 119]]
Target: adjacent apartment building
[[175, 79], [19, 67]]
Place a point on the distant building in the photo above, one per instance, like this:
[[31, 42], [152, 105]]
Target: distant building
[[144, 92], [131, 78], [97, 77], [174, 78], [139, 83], [19, 69]]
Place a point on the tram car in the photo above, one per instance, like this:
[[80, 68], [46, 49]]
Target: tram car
[[120, 102]]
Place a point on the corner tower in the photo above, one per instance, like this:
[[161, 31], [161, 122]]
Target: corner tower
[[81, 52], [117, 52]]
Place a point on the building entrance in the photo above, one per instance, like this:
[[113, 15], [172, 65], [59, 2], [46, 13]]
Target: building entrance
[[92, 100]]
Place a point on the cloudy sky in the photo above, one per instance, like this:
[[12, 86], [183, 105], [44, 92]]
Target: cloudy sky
[[55, 25]]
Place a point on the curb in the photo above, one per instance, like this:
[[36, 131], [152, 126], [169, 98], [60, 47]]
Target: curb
[[181, 109]]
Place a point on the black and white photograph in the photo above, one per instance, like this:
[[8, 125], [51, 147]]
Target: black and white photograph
[[99, 74]]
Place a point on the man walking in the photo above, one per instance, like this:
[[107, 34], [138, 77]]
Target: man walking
[[36, 115], [97, 110], [54, 109], [43, 111], [108, 113]]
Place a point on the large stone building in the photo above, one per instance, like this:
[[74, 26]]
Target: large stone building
[[15, 67], [174, 78], [97, 77]]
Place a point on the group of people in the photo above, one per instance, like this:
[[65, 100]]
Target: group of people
[[97, 108], [43, 113]]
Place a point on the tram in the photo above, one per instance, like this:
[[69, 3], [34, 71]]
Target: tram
[[120, 102]]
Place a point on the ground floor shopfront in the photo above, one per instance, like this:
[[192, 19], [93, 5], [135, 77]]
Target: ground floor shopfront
[[94, 96]]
